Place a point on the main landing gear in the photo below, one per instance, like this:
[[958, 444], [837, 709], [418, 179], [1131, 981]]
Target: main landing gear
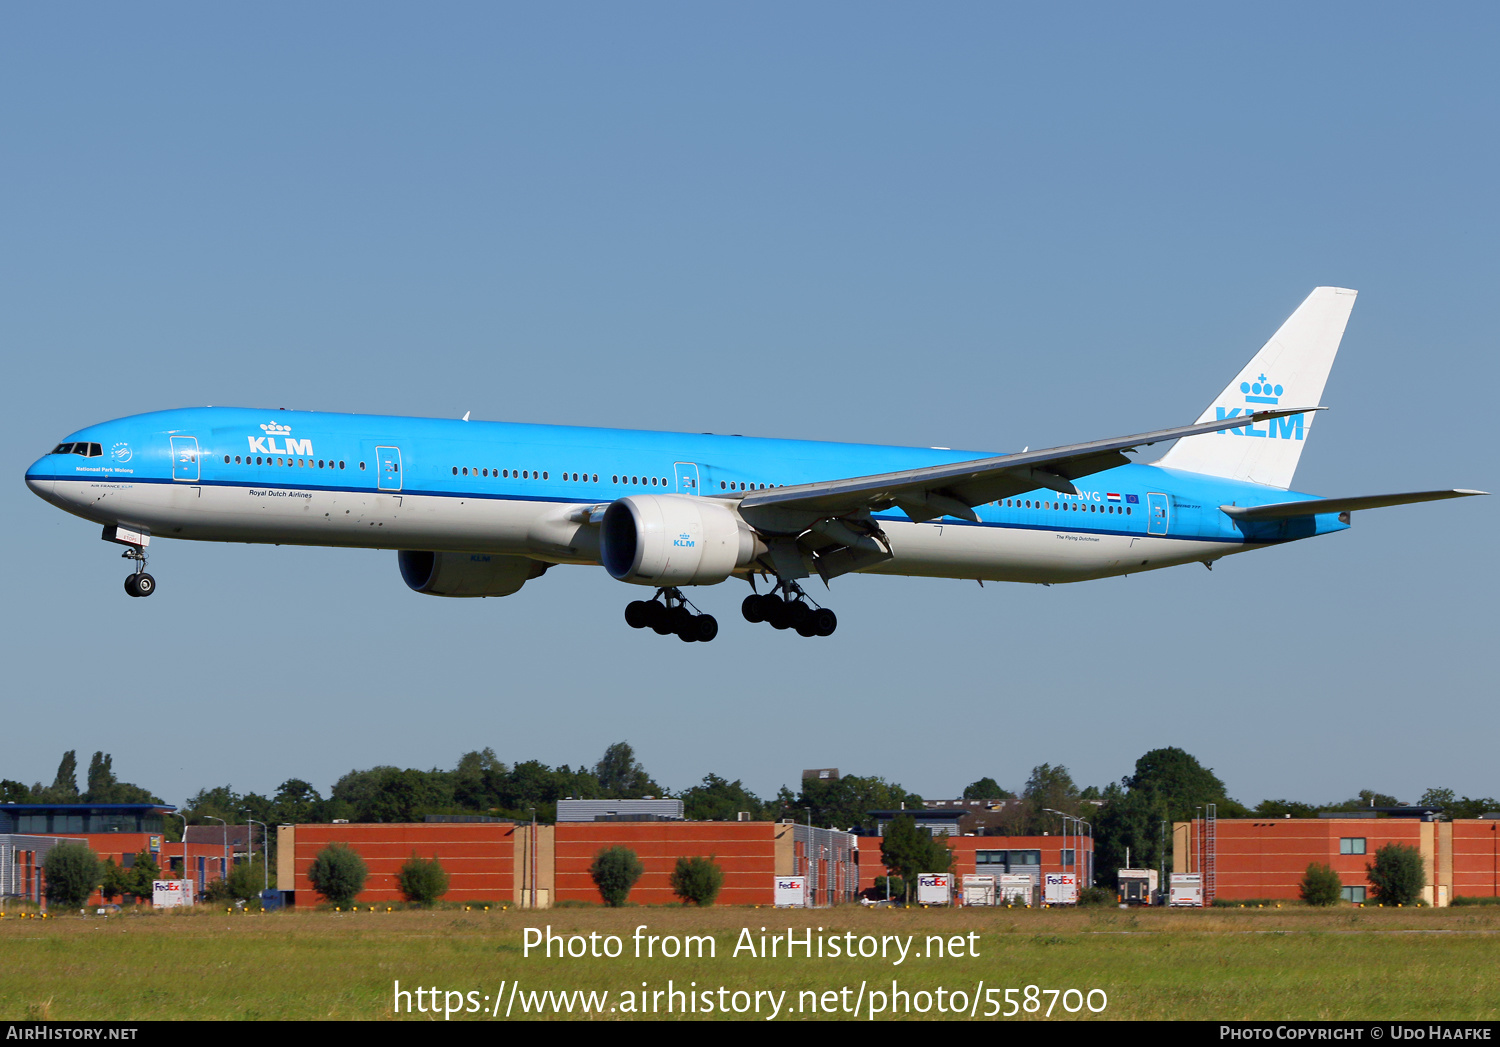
[[668, 613], [140, 583], [792, 611]]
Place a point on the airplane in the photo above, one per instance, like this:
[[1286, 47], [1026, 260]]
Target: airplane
[[478, 509]]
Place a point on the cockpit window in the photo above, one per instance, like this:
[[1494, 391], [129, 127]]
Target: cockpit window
[[63, 449], [85, 449]]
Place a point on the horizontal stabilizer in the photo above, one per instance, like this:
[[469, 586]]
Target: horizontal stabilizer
[[1318, 506]]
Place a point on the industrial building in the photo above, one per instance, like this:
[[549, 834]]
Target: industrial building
[[116, 831], [1266, 858]]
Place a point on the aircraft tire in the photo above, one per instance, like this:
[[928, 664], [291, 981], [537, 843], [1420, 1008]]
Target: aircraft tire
[[656, 618], [636, 614], [130, 585], [752, 609], [145, 585], [797, 614], [807, 629], [705, 628], [680, 621], [824, 622]]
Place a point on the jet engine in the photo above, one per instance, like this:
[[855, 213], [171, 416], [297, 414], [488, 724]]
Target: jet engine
[[668, 540], [467, 574]]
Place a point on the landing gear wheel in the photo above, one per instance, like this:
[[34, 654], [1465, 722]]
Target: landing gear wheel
[[753, 608], [130, 584], [145, 585], [824, 622], [705, 628], [638, 614], [658, 618], [798, 614]]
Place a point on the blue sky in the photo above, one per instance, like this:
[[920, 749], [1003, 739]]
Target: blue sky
[[971, 225]]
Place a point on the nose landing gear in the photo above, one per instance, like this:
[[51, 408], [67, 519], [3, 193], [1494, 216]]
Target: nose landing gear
[[140, 583], [669, 613], [135, 540], [790, 611]]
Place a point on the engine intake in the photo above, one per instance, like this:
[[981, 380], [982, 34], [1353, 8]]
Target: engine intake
[[467, 574], [674, 540]]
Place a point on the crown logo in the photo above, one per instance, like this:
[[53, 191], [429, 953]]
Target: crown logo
[[275, 429], [1261, 391]]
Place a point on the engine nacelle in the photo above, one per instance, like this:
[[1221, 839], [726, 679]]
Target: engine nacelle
[[674, 540], [467, 574]]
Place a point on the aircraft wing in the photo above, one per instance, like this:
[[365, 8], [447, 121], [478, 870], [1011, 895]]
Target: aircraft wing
[[1318, 506], [954, 489]]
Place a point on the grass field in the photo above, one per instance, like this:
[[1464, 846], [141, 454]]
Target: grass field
[[1292, 963]]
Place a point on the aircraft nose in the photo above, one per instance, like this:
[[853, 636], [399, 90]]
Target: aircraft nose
[[40, 484]]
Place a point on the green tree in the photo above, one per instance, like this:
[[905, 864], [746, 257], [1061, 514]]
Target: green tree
[[719, 801], [1397, 874], [64, 787], [986, 789], [697, 880], [615, 871], [845, 802], [621, 776], [248, 879], [14, 792], [72, 872], [1284, 808], [1452, 806], [908, 851], [892, 887], [295, 802], [1321, 885], [139, 880], [111, 880], [338, 874], [422, 881]]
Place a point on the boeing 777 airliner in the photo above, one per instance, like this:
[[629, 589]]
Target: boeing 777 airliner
[[480, 508]]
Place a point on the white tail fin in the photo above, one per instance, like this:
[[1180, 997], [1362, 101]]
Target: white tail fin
[[1289, 369]]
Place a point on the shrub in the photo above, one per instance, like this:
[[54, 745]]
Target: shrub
[[615, 871], [897, 888], [1321, 885], [338, 874], [248, 879], [72, 871], [697, 880], [1096, 896], [1397, 874], [219, 892], [422, 881]]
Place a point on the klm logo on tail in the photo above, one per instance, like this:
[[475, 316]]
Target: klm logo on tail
[[1262, 391]]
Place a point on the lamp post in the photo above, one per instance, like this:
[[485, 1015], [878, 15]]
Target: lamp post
[[184, 878], [265, 849], [224, 868]]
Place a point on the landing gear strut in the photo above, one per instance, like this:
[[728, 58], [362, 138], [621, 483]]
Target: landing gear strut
[[140, 583], [669, 612], [791, 610]]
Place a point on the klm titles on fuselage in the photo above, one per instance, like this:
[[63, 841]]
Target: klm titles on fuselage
[[267, 445]]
